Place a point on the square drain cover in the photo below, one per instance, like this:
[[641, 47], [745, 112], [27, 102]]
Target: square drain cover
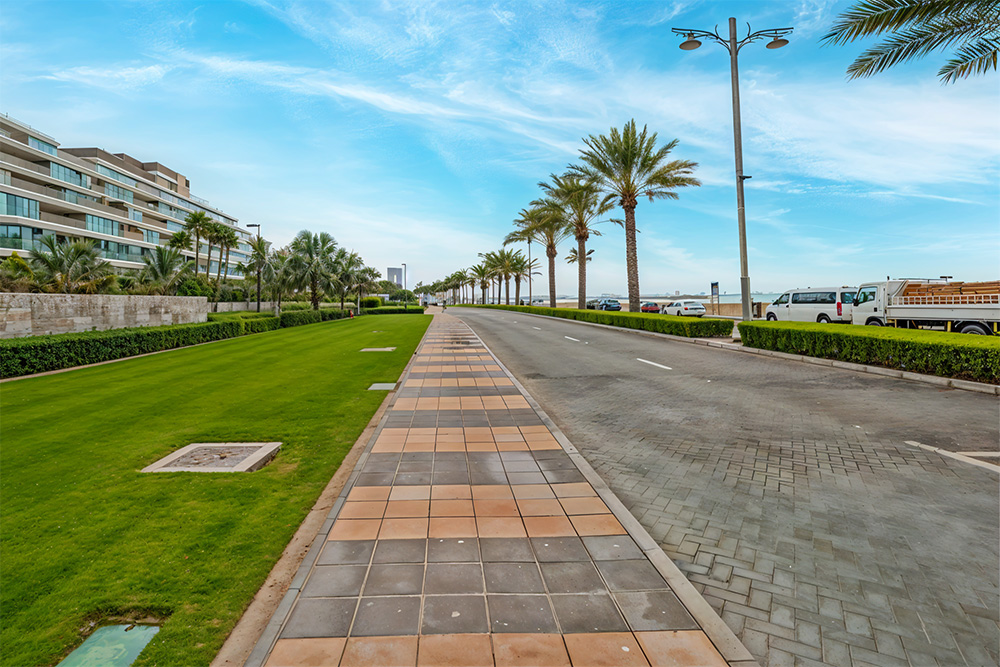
[[382, 386], [378, 349], [217, 457]]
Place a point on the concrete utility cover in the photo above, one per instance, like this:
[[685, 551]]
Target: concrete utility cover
[[378, 349], [382, 386], [217, 457], [111, 646]]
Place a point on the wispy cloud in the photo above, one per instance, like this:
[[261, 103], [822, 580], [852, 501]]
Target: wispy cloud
[[114, 78]]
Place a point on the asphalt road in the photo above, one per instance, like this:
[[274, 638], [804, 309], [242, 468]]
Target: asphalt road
[[787, 492]]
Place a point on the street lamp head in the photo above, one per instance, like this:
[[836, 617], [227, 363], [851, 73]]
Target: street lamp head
[[777, 43], [691, 43]]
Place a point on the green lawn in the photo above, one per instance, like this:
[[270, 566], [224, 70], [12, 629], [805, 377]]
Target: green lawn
[[83, 533]]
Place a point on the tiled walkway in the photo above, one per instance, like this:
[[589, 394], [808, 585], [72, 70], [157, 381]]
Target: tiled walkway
[[467, 535]]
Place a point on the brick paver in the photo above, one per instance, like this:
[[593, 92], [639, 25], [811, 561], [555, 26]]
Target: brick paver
[[468, 536]]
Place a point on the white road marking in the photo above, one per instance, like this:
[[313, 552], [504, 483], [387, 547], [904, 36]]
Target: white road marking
[[653, 363], [577, 340], [953, 455], [539, 328]]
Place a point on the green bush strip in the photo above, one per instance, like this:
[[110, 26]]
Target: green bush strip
[[953, 355], [393, 310], [689, 327]]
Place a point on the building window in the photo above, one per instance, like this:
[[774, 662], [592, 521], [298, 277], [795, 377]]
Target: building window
[[43, 146], [135, 214], [173, 226], [118, 192], [112, 174], [19, 206], [150, 236], [102, 225], [72, 176]]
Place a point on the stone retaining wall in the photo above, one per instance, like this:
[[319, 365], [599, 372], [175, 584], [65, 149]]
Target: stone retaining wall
[[36, 314]]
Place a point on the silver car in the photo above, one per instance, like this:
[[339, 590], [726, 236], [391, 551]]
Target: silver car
[[688, 307]]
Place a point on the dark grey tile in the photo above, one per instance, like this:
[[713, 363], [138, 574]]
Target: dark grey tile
[[515, 456], [655, 610], [329, 617], [450, 477], [573, 577], [513, 578], [416, 466], [400, 551], [335, 581], [454, 614], [506, 549], [417, 456], [559, 549], [374, 479], [564, 476], [564, 463], [631, 575], [453, 550], [613, 547], [526, 477], [453, 579], [395, 580], [346, 552], [449, 457], [486, 466], [380, 466], [520, 613], [590, 612], [445, 465], [488, 477], [485, 457], [387, 616], [550, 455], [412, 478]]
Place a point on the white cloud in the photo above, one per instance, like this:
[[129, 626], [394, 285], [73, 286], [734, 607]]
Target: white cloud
[[112, 78]]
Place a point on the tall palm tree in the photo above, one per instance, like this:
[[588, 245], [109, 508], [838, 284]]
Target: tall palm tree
[[481, 274], [70, 267], [582, 203], [226, 239], [915, 28], [545, 223], [211, 234], [165, 269], [198, 223], [259, 249], [347, 273], [181, 240], [313, 262], [520, 269], [627, 165]]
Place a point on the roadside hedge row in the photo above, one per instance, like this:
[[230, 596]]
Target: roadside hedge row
[[37, 354], [393, 310], [953, 355], [689, 327]]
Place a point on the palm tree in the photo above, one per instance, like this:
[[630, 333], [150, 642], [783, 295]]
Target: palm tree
[[574, 256], [259, 249], [582, 204], [347, 273], [544, 223], [70, 267], [198, 223], [278, 276], [226, 239], [313, 262], [213, 237], [520, 269], [165, 269], [626, 166], [916, 28], [181, 240], [481, 274]]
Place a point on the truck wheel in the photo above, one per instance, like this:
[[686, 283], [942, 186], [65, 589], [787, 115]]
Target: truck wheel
[[771, 317], [975, 329], [823, 319], [874, 322]]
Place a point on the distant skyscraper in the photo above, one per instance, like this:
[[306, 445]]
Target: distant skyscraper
[[395, 275]]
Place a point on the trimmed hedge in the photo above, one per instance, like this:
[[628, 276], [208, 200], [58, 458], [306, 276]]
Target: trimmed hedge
[[393, 310], [953, 355], [371, 302], [689, 327]]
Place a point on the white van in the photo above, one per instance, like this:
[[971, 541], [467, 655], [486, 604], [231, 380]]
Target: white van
[[813, 304]]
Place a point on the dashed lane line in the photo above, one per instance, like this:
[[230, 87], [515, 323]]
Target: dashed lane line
[[576, 340], [653, 363], [539, 328]]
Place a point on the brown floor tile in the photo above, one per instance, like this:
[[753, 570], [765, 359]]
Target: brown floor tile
[[403, 529], [491, 492], [418, 447], [451, 492], [455, 651], [529, 650], [605, 649], [362, 510], [423, 431], [543, 446], [508, 437], [380, 652], [532, 491], [597, 524], [503, 430], [355, 529], [584, 506], [681, 648], [534, 429], [368, 493], [381, 447], [500, 527], [500, 507], [548, 526], [512, 446], [445, 527], [309, 652], [398, 509], [452, 508], [420, 492], [449, 447], [574, 490], [540, 507]]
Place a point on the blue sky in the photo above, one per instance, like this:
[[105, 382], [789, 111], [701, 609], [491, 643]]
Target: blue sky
[[415, 131]]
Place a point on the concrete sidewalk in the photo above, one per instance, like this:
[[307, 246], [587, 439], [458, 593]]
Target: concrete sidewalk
[[472, 533]]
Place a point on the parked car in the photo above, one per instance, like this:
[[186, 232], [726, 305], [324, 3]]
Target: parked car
[[650, 307], [609, 304], [813, 304], [687, 307], [592, 304]]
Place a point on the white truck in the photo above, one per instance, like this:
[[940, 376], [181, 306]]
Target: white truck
[[930, 304]]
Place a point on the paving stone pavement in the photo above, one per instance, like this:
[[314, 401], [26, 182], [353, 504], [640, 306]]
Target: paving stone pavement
[[468, 535], [814, 530]]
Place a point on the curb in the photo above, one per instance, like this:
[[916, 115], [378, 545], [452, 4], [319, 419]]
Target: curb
[[951, 383]]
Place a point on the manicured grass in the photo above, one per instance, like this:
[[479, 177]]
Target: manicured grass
[[83, 533]]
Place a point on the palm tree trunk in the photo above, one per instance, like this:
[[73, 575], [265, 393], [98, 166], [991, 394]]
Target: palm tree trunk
[[581, 280], [517, 291], [507, 287], [227, 261], [218, 275], [551, 252], [631, 260], [484, 295], [314, 293], [197, 253]]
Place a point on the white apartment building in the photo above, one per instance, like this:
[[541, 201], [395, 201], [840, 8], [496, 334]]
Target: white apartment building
[[125, 206]]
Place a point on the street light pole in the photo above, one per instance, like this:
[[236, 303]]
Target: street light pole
[[530, 300], [733, 45], [404, 287], [258, 265]]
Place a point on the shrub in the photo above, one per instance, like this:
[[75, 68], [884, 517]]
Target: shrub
[[333, 314], [195, 287], [934, 352], [371, 302], [296, 305], [689, 327], [393, 310], [296, 318]]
